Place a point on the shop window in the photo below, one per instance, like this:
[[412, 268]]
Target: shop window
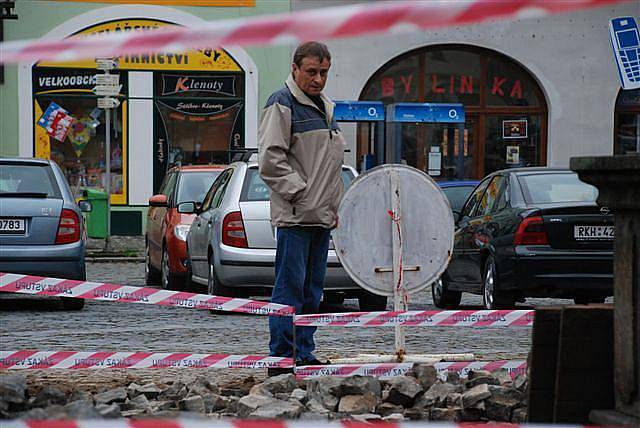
[[627, 123], [199, 119], [486, 83], [81, 153], [452, 76], [509, 85], [511, 142], [198, 132]]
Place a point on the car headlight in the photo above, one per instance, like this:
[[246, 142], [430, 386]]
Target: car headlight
[[181, 231]]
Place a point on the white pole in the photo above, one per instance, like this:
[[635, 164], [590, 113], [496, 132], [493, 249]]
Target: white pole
[[107, 187], [399, 301]]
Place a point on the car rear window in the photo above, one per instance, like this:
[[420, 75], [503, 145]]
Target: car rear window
[[254, 188], [552, 188], [193, 186], [24, 180]]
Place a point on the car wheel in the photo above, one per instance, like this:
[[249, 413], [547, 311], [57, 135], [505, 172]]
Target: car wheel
[[213, 284], [189, 285], [369, 302], [151, 275], [491, 297], [443, 298], [168, 280], [585, 300], [72, 304]]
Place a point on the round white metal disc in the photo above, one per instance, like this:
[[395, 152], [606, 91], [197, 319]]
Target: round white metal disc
[[363, 239]]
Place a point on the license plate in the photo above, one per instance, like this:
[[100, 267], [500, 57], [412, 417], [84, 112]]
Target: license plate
[[593, 233], [12, 225]]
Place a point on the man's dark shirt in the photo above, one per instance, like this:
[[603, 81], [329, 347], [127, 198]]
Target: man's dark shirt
[[318, 102]]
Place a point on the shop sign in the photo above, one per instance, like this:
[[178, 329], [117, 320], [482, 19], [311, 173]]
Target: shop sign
[[514, 128], [450, 84], [106, 64], [107, 90], [108, 102], [197, 108], [107, 79], [174, 84], [50, 80], [206, 59]]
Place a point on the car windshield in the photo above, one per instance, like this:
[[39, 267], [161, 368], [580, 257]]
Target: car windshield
[[255, 190], [27, 180], [195, 185], [457, 195], [559, 187]]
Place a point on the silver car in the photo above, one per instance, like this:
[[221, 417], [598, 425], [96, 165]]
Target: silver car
[[231, 245], [41, 227]]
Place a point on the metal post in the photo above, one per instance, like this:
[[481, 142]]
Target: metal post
[[107, 187], [399, 293], [293, 340], [638, 134]]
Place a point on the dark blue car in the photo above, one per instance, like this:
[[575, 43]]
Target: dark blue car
[[457, 192]]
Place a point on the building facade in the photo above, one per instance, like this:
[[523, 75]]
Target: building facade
[[192, 107], [536, 91]]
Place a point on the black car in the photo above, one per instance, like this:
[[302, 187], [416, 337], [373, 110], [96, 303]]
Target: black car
[[530, 232]]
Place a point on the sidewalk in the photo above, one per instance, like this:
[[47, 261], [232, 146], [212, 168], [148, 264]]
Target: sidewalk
[[123, 248]]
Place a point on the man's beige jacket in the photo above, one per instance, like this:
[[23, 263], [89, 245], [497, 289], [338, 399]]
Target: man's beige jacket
[[301, 152]]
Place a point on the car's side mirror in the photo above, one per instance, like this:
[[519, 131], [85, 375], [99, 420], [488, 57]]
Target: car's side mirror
[[187, 208], [85, 206], [158, 201]]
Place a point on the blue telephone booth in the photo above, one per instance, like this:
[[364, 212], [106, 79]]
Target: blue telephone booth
[[372, 113], [428, 136]]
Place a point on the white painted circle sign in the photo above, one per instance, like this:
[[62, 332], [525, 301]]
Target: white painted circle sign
[[363, 238]]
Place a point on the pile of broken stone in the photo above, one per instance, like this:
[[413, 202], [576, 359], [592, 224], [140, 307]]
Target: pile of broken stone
[[482, 396]]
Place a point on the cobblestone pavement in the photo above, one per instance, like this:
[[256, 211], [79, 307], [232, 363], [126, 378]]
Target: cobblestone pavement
[[105, 326]]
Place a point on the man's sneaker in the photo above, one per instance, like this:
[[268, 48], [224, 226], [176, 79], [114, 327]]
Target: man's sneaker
[[313, 362], [277, 371]]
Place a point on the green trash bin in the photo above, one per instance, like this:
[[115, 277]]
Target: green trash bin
[[96, 219]]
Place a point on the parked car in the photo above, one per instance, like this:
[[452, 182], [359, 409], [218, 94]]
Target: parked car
[[165, 249], [457, 192], [42, 230], [232, 244], [530, 232]]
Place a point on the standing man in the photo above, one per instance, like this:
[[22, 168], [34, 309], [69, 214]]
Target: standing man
[[301, 155]]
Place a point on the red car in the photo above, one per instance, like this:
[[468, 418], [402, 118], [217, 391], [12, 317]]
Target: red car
[[165, 248]]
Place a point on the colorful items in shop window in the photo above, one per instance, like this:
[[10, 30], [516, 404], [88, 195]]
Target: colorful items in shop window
[[116, 158], [81, 132], [56, 121]]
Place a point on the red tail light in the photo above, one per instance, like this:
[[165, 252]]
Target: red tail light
[[68, 228], [233, 231], [531, 232]]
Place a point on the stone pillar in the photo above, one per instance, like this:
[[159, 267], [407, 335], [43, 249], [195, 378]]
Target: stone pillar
[[618, 181]]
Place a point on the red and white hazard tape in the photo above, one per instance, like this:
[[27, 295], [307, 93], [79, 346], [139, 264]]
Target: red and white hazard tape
[[27, 284], [321, 24], [248, 423], [484, 318], [388, 370], [134, 360]]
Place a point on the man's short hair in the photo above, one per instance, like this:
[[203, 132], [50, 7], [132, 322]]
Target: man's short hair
[[311, 49]]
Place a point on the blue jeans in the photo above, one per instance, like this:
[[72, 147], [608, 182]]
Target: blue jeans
[[301, 265]]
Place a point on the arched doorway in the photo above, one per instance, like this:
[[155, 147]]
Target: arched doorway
[[506, 112], [626, 136]]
